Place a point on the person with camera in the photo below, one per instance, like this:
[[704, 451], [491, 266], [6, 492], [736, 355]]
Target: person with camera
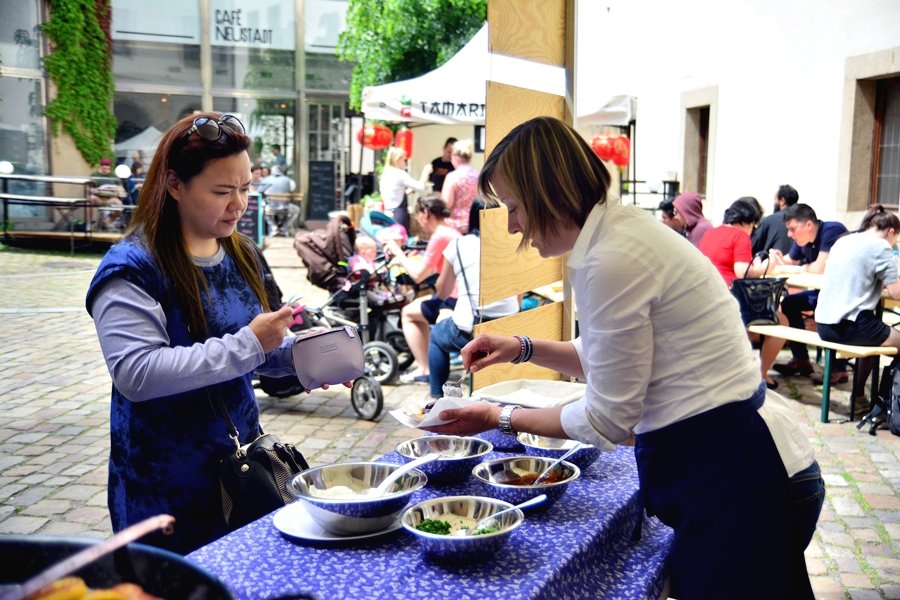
[[183, 320]]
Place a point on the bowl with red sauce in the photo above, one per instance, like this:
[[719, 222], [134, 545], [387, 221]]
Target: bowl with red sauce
[[539, 445], [512, 478]]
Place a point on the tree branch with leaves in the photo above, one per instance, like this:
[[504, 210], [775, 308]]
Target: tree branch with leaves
[[392, 40]]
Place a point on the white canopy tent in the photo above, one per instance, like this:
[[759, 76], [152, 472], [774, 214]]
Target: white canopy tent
[[146, 141], [618, 110], [454, 93]]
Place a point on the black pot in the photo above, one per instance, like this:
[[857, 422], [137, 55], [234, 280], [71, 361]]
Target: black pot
[[159, 572]]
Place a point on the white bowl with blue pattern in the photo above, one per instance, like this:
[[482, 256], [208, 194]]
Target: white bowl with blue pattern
[[354, 514], [458, 456], [456, 509]]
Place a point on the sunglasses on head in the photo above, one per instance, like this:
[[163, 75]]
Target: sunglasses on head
[[211, 130]]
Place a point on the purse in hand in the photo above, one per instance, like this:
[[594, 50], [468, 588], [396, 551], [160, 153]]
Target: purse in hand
[[332, 356], [253, 477], [759, 298]]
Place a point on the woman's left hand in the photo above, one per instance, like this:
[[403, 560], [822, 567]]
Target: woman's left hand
[[474, 418]]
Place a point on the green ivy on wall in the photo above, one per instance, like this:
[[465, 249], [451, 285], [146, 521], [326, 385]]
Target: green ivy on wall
[[81, 67]]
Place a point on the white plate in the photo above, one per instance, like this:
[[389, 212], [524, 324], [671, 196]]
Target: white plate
[[533, 393], [294, 521]]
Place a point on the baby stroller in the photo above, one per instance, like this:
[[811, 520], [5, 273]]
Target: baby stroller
[[370, 301], [365, 396]]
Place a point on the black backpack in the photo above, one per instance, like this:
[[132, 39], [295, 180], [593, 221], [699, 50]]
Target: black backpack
[[886, 406]]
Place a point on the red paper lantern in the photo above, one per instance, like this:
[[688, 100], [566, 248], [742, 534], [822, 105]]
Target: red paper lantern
[[602, 146], [621, 150], [374, 136], [404, 140]]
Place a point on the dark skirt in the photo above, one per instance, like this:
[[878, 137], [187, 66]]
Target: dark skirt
[[717, 479]]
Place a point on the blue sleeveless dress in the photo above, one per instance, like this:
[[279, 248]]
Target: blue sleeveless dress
[[164, 452]]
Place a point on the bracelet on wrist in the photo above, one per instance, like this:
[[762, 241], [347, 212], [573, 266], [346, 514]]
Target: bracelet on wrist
[[525, 349]]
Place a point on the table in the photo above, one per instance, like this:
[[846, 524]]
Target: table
[[578, 548], [65, 206]]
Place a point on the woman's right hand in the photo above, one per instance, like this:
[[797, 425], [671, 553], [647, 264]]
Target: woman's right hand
[[271, 327], [487, 349]]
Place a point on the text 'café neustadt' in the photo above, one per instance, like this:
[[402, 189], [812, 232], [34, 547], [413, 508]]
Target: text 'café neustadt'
[[229, 29]]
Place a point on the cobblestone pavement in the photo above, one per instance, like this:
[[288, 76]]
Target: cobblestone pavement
[[54, 435]]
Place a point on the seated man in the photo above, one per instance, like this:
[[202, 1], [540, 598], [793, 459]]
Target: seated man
[[279, 183], [106, 190], [813, 240]]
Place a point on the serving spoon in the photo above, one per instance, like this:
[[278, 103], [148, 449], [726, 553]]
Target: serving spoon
[[399, 472], [556, 462], [490, 520]]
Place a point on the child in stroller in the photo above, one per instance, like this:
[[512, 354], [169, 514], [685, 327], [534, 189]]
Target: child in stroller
[[367, 297]]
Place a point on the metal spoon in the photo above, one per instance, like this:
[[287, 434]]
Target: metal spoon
[[455, 389], [397, 473], [556, 462], [489, 520]]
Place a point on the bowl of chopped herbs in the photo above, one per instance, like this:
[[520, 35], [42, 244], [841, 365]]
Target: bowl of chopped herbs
[[447, 528]]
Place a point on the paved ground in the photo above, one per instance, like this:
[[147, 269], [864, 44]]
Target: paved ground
[[54, 403]]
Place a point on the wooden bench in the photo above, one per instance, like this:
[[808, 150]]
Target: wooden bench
[[810, 338]]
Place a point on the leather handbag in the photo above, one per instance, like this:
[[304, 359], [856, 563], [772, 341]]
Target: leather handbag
[[759, 298], [253, 478], [328, 357]]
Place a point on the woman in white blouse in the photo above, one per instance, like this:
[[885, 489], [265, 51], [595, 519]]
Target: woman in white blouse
[[395, 181], [665, 356]]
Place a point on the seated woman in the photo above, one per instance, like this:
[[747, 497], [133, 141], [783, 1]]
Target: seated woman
[[462, 267], [728, 247], [859, 267], [418, 316]]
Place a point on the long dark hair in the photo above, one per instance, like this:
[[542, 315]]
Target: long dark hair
[[157, 222], [879, 218]]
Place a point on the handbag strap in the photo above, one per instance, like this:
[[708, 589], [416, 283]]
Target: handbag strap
[[763, 258], [218, 406], [476, 315]]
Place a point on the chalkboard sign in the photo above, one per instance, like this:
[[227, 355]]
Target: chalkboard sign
[[251, 223], [321, 189]]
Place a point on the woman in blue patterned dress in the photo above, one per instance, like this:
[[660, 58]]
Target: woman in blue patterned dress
[[181, 313]]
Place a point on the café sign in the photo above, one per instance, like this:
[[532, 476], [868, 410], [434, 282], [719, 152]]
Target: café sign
[[265, 24]]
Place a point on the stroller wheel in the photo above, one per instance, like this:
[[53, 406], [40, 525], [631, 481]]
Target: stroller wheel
[[398, 343], [381, 362], [366, 398]]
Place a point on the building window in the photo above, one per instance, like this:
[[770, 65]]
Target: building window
[[886, 143], [144, 118], [22, 139]]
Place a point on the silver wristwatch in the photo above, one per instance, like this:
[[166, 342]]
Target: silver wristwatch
[[505, 415]]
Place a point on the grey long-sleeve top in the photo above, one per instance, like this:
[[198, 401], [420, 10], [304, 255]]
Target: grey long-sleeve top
[[131, 326]]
